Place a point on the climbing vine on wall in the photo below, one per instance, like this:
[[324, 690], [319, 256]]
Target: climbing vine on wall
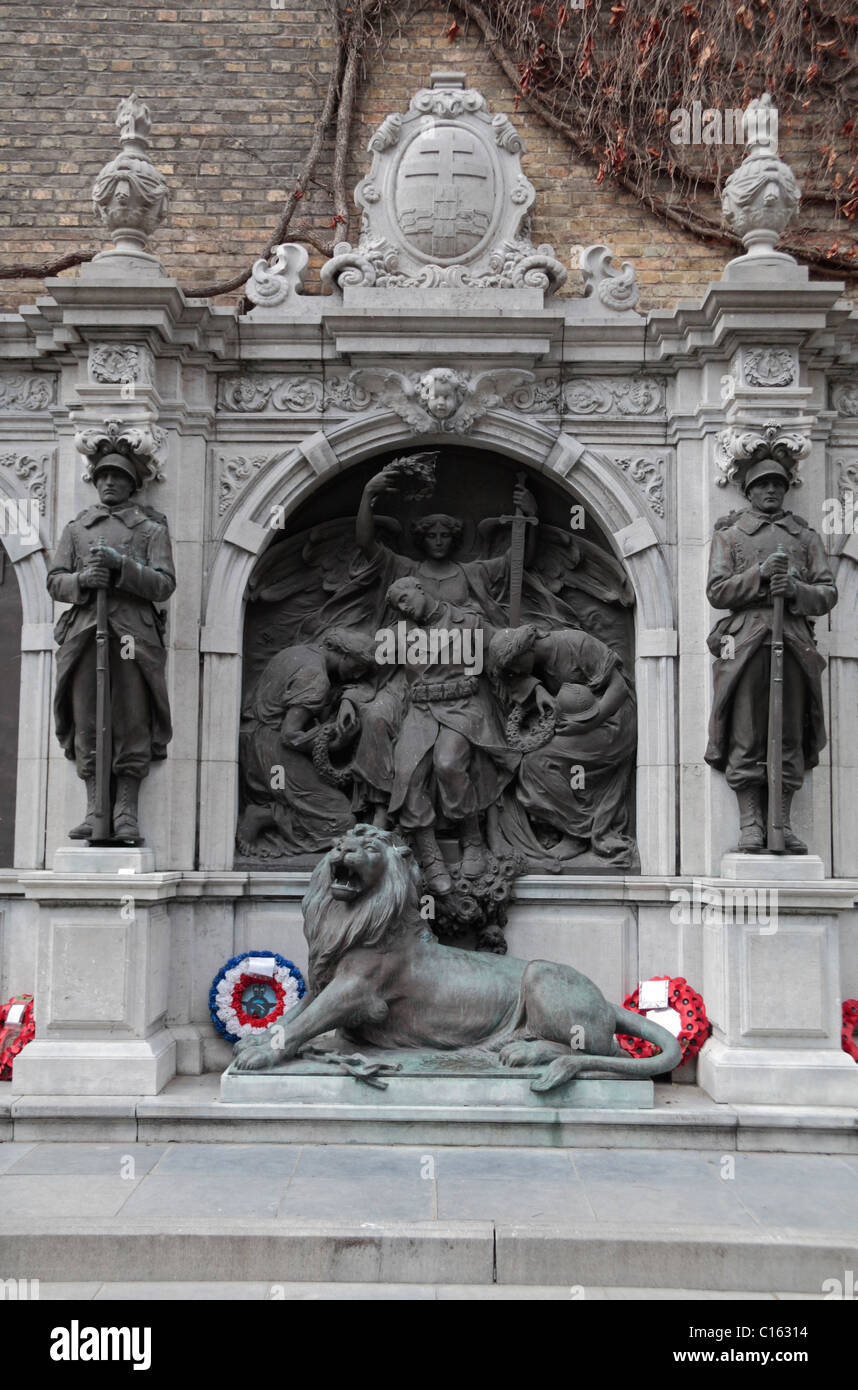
[[614, 78]]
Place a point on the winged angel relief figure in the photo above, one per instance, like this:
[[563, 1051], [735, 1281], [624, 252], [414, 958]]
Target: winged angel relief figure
[[441, 398], [355, 734]]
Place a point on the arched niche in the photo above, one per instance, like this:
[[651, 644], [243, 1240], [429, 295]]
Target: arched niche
[[577, 474], [26, 614]]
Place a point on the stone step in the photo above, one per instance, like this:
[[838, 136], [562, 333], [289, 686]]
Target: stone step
[[260, 1291], [446, 1253]]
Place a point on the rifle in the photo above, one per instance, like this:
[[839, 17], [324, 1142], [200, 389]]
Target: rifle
[[775, 760], [103, 729]]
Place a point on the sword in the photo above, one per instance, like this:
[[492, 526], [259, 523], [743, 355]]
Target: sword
[[518, 524]]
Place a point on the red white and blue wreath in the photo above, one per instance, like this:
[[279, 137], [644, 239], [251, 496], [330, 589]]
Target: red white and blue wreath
[[252, 991]]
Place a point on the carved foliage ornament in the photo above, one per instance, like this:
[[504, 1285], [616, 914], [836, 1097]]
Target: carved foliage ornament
[[33, 472], [118, 362], [737, 449], [145, 444], [21, 392], [130, 195], [761, 196], [769, 366], [844, 397], [445, 203], [648, 473]]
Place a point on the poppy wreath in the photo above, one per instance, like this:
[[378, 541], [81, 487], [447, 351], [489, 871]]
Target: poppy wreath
[[15, 1036], [850, 1027], [242, 1001], [691, 1009]]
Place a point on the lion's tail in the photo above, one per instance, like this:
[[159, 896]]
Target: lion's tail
[[638, 1026]]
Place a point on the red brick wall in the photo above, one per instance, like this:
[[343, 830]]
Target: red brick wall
[[234, 90]]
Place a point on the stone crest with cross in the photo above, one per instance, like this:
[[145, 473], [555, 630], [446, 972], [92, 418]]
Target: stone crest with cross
[[445, 202]]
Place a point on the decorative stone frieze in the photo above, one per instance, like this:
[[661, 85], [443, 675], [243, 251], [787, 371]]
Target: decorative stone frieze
[[614, 396], [233, 477], [26, 393]]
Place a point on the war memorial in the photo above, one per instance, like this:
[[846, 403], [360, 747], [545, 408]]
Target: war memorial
[[445, 658]]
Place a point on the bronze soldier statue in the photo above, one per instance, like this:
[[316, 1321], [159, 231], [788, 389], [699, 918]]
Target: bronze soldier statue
[[123, 548], [758, 555]]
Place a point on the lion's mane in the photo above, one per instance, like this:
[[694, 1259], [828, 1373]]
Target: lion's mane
[[333, 927]]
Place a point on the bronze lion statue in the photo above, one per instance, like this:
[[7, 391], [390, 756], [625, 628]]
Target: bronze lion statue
[[380, 977]]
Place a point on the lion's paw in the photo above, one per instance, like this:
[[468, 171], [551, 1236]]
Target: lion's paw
[[256, 1053], [526, 1053]]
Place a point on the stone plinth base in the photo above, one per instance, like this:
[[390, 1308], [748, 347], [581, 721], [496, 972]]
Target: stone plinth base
[[429, 1079], [103, 859], [94, 1067], [772, 868], [777, 1076]]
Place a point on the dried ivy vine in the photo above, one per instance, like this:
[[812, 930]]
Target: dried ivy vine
[[608, 75]]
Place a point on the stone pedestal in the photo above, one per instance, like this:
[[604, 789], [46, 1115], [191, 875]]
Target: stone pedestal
[[771, 985], [102, 982]]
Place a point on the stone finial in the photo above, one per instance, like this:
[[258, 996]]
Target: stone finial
[[760, 198], [130, 195], [271, 286]]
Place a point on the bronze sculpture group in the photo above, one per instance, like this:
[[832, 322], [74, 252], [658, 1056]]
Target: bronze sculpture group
[[445, 741]]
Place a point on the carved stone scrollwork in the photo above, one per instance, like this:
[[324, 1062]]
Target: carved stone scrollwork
[[616, 289], [506, 134], [648, 473], [847, 479], [234, 476], [387, 134], [769, 367], [737, 448], [33, 472], [275, 284], [147, 444], [844, 397], [26, 393], [113, 363], [614, 395]]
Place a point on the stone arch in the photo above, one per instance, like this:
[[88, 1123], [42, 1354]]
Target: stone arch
[[291, 478], [27, 560]]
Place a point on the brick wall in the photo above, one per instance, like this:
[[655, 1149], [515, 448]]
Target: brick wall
[[234, 90]]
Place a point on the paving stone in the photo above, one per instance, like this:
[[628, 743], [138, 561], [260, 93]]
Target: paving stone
[[168, 1291], [541, 1202], [47, 1195], [360, 1162], [97, 1159], [358, 1200], [67, 1293], [249, 1160], [798, 1191], [217, 1195], [653, 1187], [522, 1165], [11, 1153]]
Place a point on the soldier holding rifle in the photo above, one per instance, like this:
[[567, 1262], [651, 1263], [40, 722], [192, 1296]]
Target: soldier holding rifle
[[767, 727], [113, 564]]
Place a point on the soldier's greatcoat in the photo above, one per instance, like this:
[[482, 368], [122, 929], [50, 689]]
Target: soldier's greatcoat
[[146, 577], [742, 541]]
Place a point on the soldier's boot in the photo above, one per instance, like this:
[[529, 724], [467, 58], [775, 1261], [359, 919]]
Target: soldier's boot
[[435, 873], [752, 825], [85, 829], [792, 844], [125, 825], [473, 853]]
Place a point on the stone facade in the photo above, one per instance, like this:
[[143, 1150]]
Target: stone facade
[[625, 414]]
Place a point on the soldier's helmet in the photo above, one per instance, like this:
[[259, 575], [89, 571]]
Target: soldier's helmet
[[765, 468], [119, 461]]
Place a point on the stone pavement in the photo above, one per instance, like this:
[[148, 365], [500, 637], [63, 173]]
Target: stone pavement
[[231, 1220]]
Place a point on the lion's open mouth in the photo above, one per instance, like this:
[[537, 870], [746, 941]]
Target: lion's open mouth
[[345, 883]]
